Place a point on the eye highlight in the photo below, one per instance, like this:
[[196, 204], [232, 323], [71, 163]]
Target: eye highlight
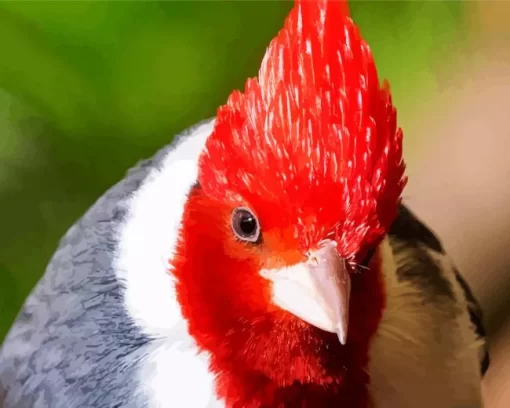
[[245, 225]]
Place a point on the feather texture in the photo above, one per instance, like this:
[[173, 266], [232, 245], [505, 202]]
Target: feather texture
[[316, 122], [409, 229], [89, 334], [426, 352]]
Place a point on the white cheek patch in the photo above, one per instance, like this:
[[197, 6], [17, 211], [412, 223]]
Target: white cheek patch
[[175, 372]]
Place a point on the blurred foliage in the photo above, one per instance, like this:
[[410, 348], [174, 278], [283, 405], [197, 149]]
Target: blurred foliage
[[89, 88]]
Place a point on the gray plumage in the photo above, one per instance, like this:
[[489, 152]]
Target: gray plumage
[[73, 343]]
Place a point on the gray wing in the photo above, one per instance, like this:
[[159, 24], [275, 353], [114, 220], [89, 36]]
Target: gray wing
[[411, 235], [73, 344], [72, 330]]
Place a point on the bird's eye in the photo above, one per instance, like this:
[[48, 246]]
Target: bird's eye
[[245, 225]]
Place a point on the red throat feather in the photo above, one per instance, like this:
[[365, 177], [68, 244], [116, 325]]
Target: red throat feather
[[316, 115]]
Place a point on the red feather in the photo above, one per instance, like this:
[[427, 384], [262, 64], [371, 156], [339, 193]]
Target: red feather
[[315, 130], [312, 147]]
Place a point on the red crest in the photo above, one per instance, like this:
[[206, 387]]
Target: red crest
[[316, 117]]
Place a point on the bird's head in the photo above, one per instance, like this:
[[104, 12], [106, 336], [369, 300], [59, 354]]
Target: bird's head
[[298, 184]]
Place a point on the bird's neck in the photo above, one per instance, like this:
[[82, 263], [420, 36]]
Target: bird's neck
[[257, 391], [269, 395], [287, 363]]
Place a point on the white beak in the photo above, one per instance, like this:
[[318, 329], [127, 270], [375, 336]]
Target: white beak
[[317, 291]]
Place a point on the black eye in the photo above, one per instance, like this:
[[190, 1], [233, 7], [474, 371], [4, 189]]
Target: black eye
[[245, 225]]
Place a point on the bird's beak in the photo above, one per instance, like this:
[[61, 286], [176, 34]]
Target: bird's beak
[[317, 291]]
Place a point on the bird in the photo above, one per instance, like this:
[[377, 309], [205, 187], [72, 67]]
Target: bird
[[264, 258]]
